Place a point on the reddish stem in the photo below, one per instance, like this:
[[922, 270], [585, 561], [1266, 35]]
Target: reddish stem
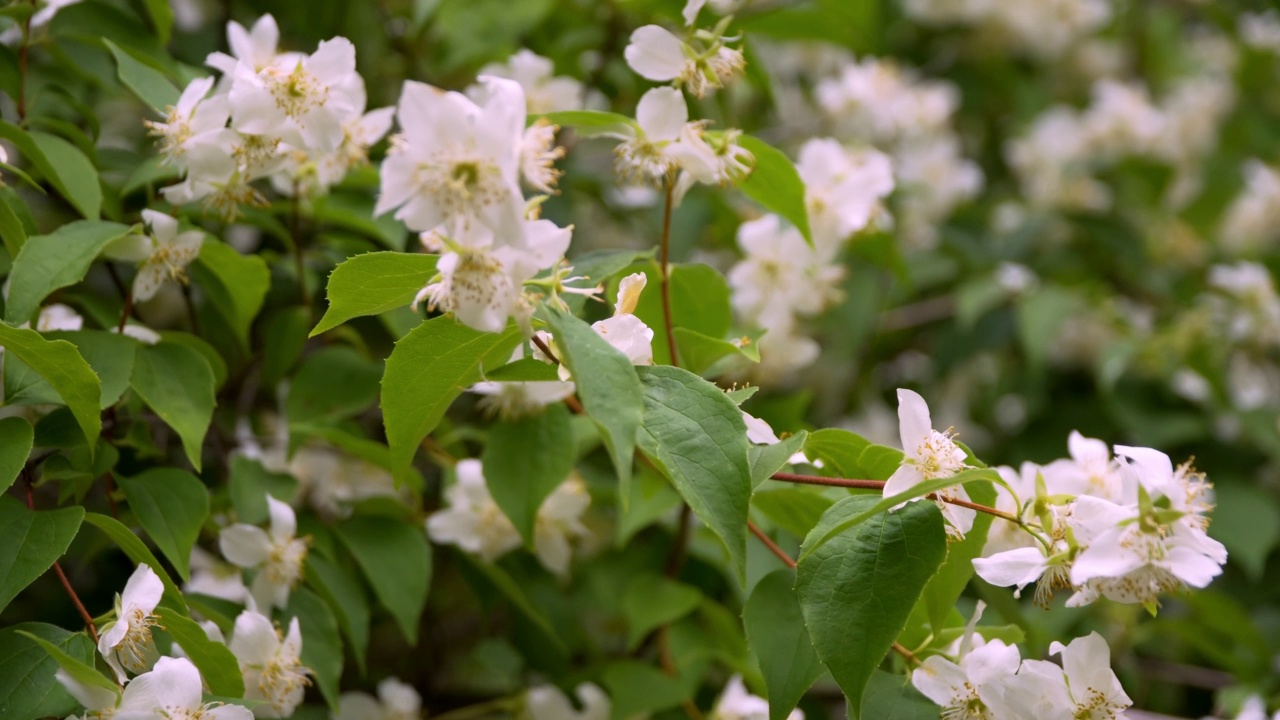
[[879, 485], [66, 584], [769, 543], [664, 253]]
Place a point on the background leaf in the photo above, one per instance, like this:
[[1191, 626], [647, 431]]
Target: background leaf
[[31, 542], [177, 383], [218, 667], [149, 84], [56, 260], [236, 284], [396, 560], [28, 689], [525, 461], [172, 506], [775, 629], [775, 184], [15, 445], [60, 364]]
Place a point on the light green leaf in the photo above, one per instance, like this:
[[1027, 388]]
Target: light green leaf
[[839, 451], [28, 689], [78, 669], [177, 383], [340, 588], [60, 364], [12, 230], [588, 123], [284, 338], [336, 382], [775, 630], [1040, 316], [857, 589], [218, 667], [76, 178], [607, 386], [639, 689], [427, 370], [31, 542], [374, 283], [879, 462], [945, 587], [161, 18], [699, 353], [769, 459], [236, 284], [775, 184], [56, 260], [136, 551], [321, 643], [172, 506], [396, 560], [16, 436], [525, 461], [57, 176], [695, 434], [650, 602], [149, 84], [524, 370]]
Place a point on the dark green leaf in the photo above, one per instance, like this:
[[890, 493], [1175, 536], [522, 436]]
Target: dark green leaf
[[339, 587], [336, 382], [31, 542], [321, 644], [891, 697], [28, 689], [136, 551], [775, 629], [218, 667], [16, 437], [178, 384], [236, 284], [653, 601], [78, 669], [172, 506], [56, 260], [525, 461], [396, 560], [149, 84]]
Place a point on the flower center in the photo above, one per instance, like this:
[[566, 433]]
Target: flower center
[[966, 705], [1097, 706], [284, 564], [296, 93], [938, 456], [136, 645], [282, 678]]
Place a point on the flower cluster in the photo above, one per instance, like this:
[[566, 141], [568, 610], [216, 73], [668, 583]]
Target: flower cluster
[[294, 118], [1043, 28]]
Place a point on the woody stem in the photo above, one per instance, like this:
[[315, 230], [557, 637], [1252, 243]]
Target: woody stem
[[769, 543], [57, 569], [664, 255], [879, 485]]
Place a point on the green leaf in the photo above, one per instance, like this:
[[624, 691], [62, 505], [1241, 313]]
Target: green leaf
[[588, 123], [12, 230], [56, 260], [607, 386], [285, 337], [638, 689], [919, 490], [775, 184], [60, 364], [698, 352], [396, 560], [28, 689], [136, 551], [236, 284], [1247, 521], [945, 587], [600, 265], [794, 508], [218, 667], [31, 542], [775, 630], [29, 149], [178, 384], [374, 283], [427, 370], [695, 434], [1040, 316], [769, 459], [340, 588], [879, 462], [321, 644], [525, 370], [249, 483], [891, 697], [161, 18], [149, 84], [79, 670], [336, 382], [172, 506], [108, 354], [16, 437], [839, 451], [525, 461], [511, 590], [74, 176], [650, 602], [857, 589]]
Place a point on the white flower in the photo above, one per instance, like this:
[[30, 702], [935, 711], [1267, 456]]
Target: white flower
[[278, 556], [210, 576], [538, 154], [644, 155], [270, 664], [843, 189], [624, 331], [1089, 471], [255, 47], [454, 168], [126, 644], [966, 690], [546, 702], [928, 455], [475, 523], [195, 119], [333, 480], [58, 317], [396, 701], [314, 173], [736, 703], [303, 100], [164, 254], [655, 54], [780, 278], [511, 400], [1084, 687], [172, 691], [100, 702], [543, 92], [39, 19]]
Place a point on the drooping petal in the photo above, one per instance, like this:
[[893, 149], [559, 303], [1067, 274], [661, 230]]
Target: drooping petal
[[245, 545], [92, 697]]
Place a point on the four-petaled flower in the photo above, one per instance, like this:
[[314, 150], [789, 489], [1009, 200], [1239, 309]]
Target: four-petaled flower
[[126, 644], [278, 556]]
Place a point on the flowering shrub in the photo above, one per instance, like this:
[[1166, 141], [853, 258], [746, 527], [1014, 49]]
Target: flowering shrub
[[554, 386]]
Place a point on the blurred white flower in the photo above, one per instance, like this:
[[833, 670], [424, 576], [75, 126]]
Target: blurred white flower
[[210, 576], [270, 664], [163, 253], [547, 702], [57, 316], [396, 700], [277, 556], [544, 91]]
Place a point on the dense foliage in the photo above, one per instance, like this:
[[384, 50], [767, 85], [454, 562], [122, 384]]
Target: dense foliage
[[550, 359]]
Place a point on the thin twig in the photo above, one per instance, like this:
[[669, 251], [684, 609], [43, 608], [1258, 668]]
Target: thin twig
[[125, 312], [66, 584], [910, 656], [675, 559], [769, 543], [879, 485], [571, 401], [665, 270], [22, 66]]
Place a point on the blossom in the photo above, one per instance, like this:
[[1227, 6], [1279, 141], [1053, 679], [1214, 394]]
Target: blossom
[[781, 278], [57, 316], [928, 455], [1089, 471], [396, 701], [126, 643], [270, 664], [164, 253], [544, 91], [255, 47], [210, 576], [333, 480], [968, 689], [278, 556], [172, 691], [474, 522], [454, 168], [99, 701], [843, 188], [624, 331], [547, 702], [1083, 687], [314, 172], [656, 54], [195, 119], [538, 154], [736, 703], [645, 154]]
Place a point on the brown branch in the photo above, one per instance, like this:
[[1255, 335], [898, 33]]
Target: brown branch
[[571, 401], [22, 66], [879, 485], [66, 584], [769, 543], [665, 270], [125, 312]]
